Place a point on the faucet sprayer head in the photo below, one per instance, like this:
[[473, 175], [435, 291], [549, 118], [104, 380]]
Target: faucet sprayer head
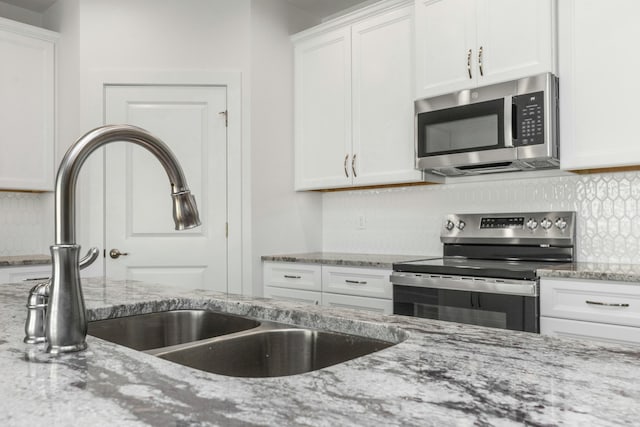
[[185, 211]]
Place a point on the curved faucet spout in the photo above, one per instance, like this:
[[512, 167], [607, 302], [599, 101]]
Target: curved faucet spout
[[66, 322]]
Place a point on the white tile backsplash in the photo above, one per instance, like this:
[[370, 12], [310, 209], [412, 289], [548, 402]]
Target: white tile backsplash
[[407, 220], [24, 225]]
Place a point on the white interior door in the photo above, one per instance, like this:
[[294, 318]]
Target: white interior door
[[138, 209]]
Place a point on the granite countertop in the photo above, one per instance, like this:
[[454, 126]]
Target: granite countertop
[[441, 374], [17, 260], [346, 259]]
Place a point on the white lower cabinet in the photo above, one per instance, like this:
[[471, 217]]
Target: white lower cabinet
[[30, 273], [592, 309], [375, 305], [334, 286], [294, 295]]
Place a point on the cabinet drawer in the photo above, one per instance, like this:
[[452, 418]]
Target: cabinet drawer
[[587, 330], [591, 300], [294, 295], [366, 282], [293, 275], [376, 305]]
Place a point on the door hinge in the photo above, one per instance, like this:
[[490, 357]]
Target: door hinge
[[225, 113], [226, 229]]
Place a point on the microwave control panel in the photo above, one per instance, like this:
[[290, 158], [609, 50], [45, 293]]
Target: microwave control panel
[[528, 116]]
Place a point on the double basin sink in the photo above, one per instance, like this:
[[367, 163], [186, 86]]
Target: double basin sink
[[232, 345]]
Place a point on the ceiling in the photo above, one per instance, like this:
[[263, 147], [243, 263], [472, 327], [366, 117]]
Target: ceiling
[[318, 8]]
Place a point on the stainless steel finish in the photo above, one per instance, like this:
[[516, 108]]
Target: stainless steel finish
[[540, 156], [353, 166], [288, 276], [346, 172], [480, 61], [527, 288], [546, 223], [66, 324], [461, 225], [449, 225], [356, 282], [168, 328], [608, 304], [232, 345], [527, 235], [115, 253], [38, 300], [469, 64], [274, 353], [36, 311]]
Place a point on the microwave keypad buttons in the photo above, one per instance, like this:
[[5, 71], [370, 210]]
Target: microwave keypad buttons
[[530, 119]]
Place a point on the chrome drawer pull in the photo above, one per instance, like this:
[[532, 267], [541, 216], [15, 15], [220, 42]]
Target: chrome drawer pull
[[286, 276], [606, 304], [355, 282]]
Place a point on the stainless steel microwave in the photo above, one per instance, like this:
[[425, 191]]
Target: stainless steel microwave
[[504, 127]]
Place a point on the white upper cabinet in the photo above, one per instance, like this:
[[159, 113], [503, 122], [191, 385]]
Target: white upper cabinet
[[599, 83], [27, 107], [382, 90], [323, 110], [354, 100], [461, 44]]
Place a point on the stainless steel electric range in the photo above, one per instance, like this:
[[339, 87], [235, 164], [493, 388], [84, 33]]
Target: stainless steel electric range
[[488, 274]]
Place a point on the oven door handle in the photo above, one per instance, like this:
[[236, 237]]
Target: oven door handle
[[527, 288]]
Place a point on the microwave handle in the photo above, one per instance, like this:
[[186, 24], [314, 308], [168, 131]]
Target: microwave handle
[[510, 114]]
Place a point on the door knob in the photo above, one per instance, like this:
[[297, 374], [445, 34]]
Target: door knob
[[115, 254]]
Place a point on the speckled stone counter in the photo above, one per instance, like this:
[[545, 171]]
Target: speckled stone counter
[[440, 374], [595, 271], [14, 261], [346, 259]]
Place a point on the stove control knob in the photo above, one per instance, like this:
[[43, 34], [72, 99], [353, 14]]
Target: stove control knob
[[449, 225], [561, 223], [461, 225], [546, 223], [532, 224]]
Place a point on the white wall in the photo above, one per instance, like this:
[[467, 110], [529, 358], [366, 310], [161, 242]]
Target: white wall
[[408, 220], [283, 221]]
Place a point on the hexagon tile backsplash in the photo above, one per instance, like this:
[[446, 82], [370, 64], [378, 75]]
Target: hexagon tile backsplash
[[407, 220], [24, 229]]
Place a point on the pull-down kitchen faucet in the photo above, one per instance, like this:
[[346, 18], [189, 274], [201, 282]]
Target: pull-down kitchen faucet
[[66, 323]]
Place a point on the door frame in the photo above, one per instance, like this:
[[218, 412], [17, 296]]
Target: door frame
[[91, 184]]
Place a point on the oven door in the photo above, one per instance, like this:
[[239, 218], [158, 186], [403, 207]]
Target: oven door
[[504, 311]]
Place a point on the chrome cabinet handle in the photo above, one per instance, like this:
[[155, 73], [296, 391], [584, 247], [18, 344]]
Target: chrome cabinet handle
[[353, 166], [115, 254], [469, 64], [288, 276], [607, 304], [355, 282], [480, 61], [346, 171]]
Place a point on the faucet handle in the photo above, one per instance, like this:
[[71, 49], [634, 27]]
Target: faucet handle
[[89, 258]]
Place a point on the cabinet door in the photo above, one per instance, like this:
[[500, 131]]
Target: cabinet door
[[383, 148], [599, 83], [591, 331], [323, 111], [27, 134], [293, 295], [516, 38], [445, 43], [375, 305]]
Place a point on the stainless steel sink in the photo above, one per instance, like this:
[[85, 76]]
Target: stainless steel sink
[[168, 328], [274, 353], [232, 345]]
